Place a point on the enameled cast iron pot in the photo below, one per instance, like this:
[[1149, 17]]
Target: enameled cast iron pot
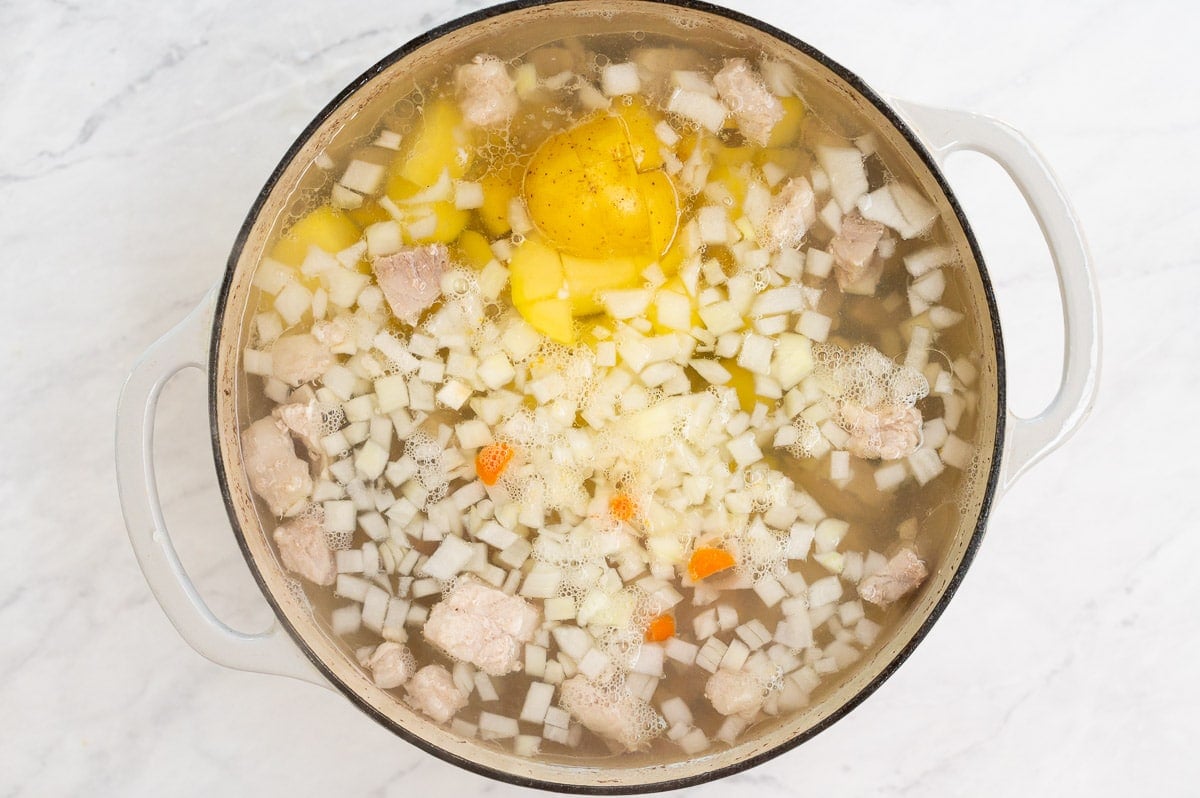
[[210, 338]]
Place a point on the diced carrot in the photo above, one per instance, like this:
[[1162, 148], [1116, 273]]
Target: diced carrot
[[707, 561], [622, 506], [660, 629], [492, 460]]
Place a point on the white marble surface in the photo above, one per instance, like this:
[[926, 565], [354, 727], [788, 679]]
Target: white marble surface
[[133, 137]]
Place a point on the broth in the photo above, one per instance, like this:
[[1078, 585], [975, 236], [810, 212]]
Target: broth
[[623, 464]]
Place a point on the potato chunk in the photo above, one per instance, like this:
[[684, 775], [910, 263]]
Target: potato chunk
[[586, 195]]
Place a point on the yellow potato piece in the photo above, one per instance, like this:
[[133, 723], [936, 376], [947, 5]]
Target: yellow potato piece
[[450, 220], [368, 214], [326, 227], [662, 207], [743, 383], [474, 249], [643, 141], [675, 285], [552, 318], [586, 278], [585, 195], [437, 142], [787, 130], [498, 191], [535, 273]]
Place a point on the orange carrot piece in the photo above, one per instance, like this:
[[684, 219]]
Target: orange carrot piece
[[660, 629], [622, 507], [491, 462], [707, 561]]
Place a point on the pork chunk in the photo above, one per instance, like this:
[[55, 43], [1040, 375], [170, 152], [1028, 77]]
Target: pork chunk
[[902, 574], [853, 250], [486, 93], [276, 473], [483, 626], [305, 421], [391, 665], [792, 212], [432, 690], [734, 692], [411, 279], [304, 550], [613, 712], [755, 108], [886, 432], [300, 358]]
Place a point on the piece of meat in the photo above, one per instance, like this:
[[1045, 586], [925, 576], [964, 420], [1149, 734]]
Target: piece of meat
[[300, 358], [304, 549], [901, 575], [483, 626], [411, 279], [276, 473], [853, 250], [391, 665], [331, 333], [886, 432], [611, 712], [304, 420], [793, 210], [432, 690], [486, 93], [734, 692], [755, 108]]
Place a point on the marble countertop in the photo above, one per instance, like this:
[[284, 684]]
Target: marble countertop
[[133, 138]]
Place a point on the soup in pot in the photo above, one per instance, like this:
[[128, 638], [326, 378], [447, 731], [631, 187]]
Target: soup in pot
[[614, 394]]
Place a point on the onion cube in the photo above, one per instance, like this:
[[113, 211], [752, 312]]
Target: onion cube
[[814, 325], [560, 608], [824, 591], [957, 453], [699, 107], [770, 591], [618, 79], [720, 317], [535, 660], [736, 655], [925, 464], [449, 560], [340, 516], [889, 477], [496, 371], [680, 650], [292, 302], [794, 631], [497, 727], [594, 663], [496, 535], [256, 362], [346, 620], [370, 460], [744, 449], [467, 195], [710, 654], [649, 660], [375, 606], [351, 587], [454, 394], [755, 355], [349, 561]]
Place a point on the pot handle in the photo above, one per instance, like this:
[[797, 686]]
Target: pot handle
[[1031, 439], [269, 652]]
